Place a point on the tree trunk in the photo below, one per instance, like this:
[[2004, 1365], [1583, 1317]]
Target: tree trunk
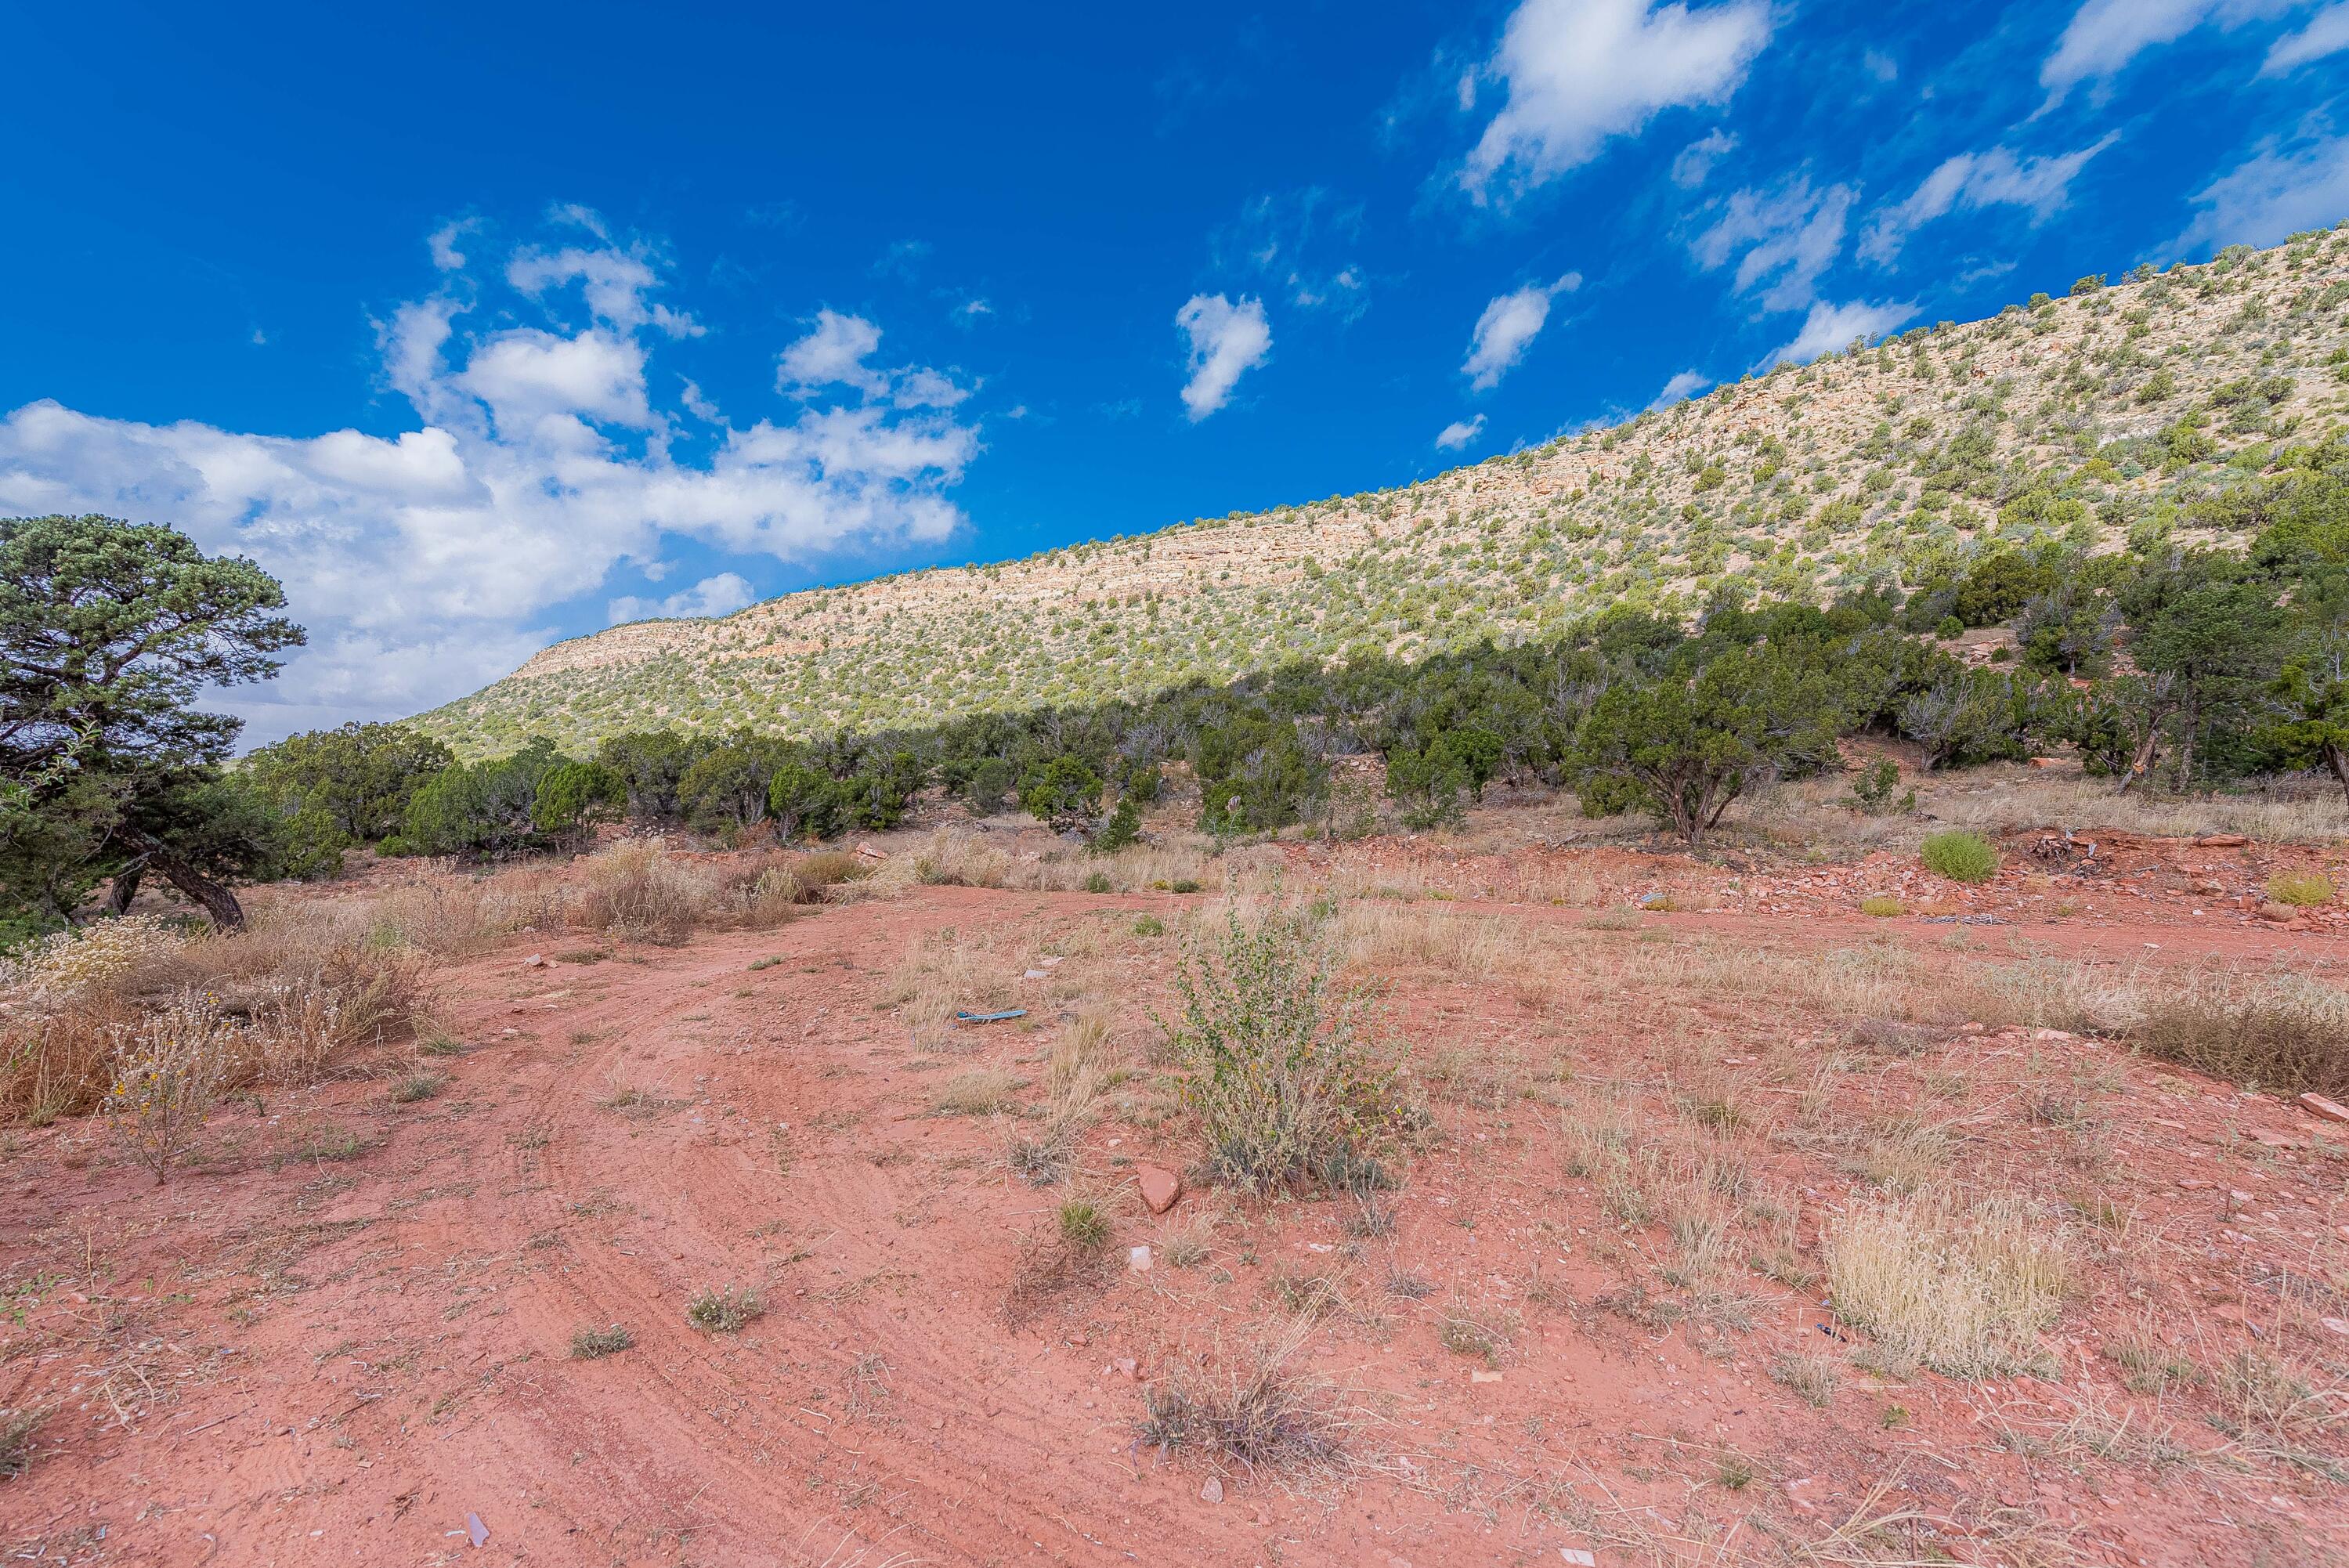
[[219, 903], [2141, 768], [125, 889], [2338, 757]]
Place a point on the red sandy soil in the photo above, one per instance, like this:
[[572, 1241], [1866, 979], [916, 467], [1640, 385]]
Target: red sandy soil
[[286, 1360]]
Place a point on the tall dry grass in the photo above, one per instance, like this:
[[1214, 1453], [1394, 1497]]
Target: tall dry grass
[[1965, 1292], [290, 995], [319, 980]]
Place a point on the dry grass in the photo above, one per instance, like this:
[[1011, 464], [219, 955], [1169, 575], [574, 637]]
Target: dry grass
[[2284, 1033], [290, 995], [1258, 1414], [944, 973], [982, 1091], [1967, 1294]]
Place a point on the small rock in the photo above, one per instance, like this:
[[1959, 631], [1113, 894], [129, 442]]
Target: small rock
[[1478, 1375], [1211, 1490], [1160, 1187], [2278, 914], [1123, 1365], [1138, 1259], [2335, 1324], [2317, 1105]]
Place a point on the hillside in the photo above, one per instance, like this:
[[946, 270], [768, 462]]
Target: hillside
[[2113, 409]]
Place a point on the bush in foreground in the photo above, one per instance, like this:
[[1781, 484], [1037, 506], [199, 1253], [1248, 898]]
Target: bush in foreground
[[1960, 856], [1275, 1066]]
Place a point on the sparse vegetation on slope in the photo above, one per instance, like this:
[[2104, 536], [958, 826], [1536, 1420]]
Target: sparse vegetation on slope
[[2111, 415]]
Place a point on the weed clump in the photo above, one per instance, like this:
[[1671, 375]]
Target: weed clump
[[1274, 1064], [1084, 1224], [1960, 856], [2302, 890], [1966, 1294], [1262, 1416], [726, 1309], [1882, 905], [594, 1344]]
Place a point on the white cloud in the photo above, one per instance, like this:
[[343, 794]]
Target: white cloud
[[1830, 329], [2327, 33], [442, 244], [1508, 328], [1458, 434], [1579, 72], [426, 562], [1789, 236], [2105, 35], [1695, 162], [615, 283], [1226, 340], [720, 595], [1686, 385], [2272, 194], [834, 353], [1969, 181], [527, 376]]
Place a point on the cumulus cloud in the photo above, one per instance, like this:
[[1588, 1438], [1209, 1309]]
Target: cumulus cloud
[[1508, 327], [1833, 327], [1686, 385], [1694, 164], [2105, 35], [1970, 181], [720, 596], [1226, 341], [1788, 237], [1581, 72], [833, 353], [1459, 433], [2273, 193], [2327, 33], [428, 560]]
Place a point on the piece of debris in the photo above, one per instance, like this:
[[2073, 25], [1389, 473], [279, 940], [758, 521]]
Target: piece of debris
[[478, 1532], [535, 961], [1211, 1490], [870, 854], [990, 1017], [1577, 1556], [1138, 1259]]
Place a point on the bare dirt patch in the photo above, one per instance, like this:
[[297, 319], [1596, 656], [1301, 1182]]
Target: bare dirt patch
[[1648, 1287]]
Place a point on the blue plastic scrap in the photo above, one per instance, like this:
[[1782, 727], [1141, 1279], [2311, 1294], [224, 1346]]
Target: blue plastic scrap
[[989, 1017]]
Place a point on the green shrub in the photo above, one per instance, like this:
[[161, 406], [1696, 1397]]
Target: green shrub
[[1274, 1064], [1960, 856], [2303, 889], [1084, 1224]]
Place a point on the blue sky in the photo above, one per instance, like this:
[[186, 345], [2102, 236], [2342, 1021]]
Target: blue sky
[[489, 325]]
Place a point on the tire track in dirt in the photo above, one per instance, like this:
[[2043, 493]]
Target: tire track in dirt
[[802, 1423]]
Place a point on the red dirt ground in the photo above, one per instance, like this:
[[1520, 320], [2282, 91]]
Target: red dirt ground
[[289, 1358]]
